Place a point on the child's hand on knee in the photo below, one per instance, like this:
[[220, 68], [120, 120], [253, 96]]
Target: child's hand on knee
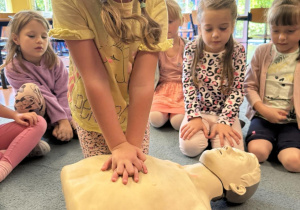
[[225, 132], [192, 127], [63, 130]]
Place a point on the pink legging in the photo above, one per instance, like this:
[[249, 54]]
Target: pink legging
[[18, 140]]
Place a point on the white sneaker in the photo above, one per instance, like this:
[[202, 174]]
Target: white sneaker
[[41, 149]]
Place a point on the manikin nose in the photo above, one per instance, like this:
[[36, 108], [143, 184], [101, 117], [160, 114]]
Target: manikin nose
[[228, 149]]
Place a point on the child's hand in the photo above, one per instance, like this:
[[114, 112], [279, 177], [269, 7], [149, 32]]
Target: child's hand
[[125, 175], [63, 130], [274, 115], [126, 160], [26, 119], [192, 127], [225, 131]]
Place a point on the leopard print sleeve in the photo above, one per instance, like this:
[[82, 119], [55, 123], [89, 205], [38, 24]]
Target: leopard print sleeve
[[236, 97], [190, 91]]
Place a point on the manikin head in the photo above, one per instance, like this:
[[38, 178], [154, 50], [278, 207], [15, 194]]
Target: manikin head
[[238, 171]]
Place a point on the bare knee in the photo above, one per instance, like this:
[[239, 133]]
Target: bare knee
[[290, 159], [292, 165], [260, 148]]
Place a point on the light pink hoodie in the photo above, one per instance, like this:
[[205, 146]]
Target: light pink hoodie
[[255, 80]]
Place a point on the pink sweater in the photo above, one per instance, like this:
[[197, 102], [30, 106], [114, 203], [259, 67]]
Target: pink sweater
[[52, 83], [255, 80]]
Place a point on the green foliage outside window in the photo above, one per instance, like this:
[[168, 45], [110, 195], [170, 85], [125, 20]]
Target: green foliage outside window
[[187, 5], [258, 28], [40, 5], [260, 3], [239, 27], [254, 28], [2, 6]]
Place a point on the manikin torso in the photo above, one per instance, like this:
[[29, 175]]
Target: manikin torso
[[167, 185]]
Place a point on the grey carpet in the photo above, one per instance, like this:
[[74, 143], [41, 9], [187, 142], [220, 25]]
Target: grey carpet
[[35, 183]]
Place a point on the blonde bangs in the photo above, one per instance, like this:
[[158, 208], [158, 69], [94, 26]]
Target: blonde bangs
[[174, 10]]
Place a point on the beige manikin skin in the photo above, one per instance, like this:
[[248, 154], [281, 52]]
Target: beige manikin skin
[[167, 185]]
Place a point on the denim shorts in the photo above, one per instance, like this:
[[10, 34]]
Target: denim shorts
[[281, 136]]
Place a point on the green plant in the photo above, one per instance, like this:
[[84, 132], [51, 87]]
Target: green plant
[[258, 28], [2, 6], [260, 3], [39, 5]]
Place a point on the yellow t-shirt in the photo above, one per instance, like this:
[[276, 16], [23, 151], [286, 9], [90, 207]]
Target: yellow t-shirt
[[81, 20]]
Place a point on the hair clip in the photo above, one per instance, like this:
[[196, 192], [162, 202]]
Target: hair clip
[[143, 5]]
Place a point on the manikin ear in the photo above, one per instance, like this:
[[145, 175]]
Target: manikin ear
[[15, 39], [240, 190]]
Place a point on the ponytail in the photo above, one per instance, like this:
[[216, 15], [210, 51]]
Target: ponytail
[[197, 57], [228, 70]]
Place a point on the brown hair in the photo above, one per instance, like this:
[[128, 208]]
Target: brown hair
[[284, 12], [174, 10], [227, 71], [15, 25], [116, 27]]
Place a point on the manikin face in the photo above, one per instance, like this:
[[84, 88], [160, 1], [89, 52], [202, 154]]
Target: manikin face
[[33, 41], [285, 38], [229, 164], [215, 27], [173, 27]]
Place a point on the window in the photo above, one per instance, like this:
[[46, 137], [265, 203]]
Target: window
[[256, 28], [188, 5], [243, 6], [43, 5], [3, 7]]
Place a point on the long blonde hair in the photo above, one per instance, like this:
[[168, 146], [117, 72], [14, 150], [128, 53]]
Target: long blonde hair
[[174, 10], [227, 71], [116, 27], [284, 12], [15, 25]]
